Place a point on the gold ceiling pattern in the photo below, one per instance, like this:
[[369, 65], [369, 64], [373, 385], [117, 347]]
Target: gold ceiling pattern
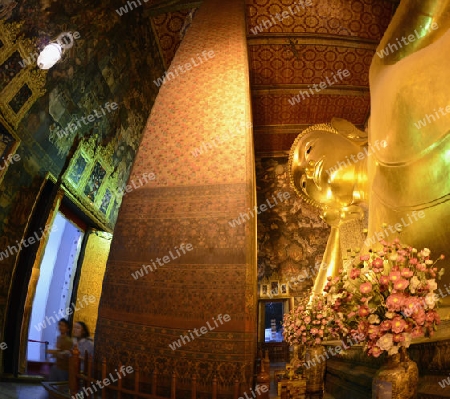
[[359, 18], [307, 44], [168, 27]]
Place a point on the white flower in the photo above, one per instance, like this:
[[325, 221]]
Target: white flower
[[426, 252], [430, 300], [432, 285], [393, 350], [393, 257], [414, 250], [413, 284], [428, 262], [389, 315], [385, 342], [374, 319], [407, 340]]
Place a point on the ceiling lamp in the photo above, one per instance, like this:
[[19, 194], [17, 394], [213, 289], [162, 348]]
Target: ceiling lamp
[[54, 51], [49, 56]]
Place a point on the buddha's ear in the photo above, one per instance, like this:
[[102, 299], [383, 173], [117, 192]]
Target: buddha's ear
[[349, 131]]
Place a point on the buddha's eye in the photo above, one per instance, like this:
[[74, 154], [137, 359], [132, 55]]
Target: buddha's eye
[[309, 149], [303, 182]]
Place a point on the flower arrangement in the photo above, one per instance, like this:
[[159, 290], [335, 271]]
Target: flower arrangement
[[388, 297], [309, 324]]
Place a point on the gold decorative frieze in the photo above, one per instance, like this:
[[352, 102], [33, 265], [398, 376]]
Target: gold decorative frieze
[[21, 82], [91, 182]]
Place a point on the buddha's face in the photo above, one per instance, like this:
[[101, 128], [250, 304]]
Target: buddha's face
[[323, 168]]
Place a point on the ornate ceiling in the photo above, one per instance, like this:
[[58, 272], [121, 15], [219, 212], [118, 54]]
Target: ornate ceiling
[[321, 48]]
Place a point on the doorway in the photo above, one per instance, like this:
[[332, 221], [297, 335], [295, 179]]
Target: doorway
[[270, 331], [52, 300], [273, 317], [74, 265]]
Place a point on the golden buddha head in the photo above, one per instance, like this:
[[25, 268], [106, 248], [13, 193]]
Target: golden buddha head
[[327, 167]]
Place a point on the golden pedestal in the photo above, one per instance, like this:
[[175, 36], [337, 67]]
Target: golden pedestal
[[297, 388]]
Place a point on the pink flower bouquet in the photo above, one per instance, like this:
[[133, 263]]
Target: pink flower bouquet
[[309, 324], [389, 297]]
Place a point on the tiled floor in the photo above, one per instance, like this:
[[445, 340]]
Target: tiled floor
[[13, 390]]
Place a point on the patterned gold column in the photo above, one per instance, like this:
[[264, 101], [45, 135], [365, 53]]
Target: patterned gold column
[[198, 143], [90, 285]]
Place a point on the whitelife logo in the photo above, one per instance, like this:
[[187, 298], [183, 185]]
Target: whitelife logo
[[30, 240], [431, 118], [170, 75], [146, 268], [106, 381], [65, 40], [74, 126], [236, 222], [71, 309], [357, 157], [266, 24], [391, 48], [322, 86], [203, 330]]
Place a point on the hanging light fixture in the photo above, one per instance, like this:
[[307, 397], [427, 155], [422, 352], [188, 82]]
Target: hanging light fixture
[[49, 56], [54, 51]]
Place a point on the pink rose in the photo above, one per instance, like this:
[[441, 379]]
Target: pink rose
[[384, 280], [398, 324], [386, 325], [401, 284], [419, 317], [394, 302], [411, 305], [363, 311], [365, 288], [394, 276], [362, 327], [375, 351], [406, 272], [373, 331], [398, 338], [378, 262], [416, 332], [355, 273], [432, 316], [421, 267], [400, 258]]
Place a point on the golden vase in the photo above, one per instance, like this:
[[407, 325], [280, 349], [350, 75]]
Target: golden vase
[[391, 380], [315, 365], [412, 372]]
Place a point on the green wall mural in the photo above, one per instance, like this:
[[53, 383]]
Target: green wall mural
[[98, 96]]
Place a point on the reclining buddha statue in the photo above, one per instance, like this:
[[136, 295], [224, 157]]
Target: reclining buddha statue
[[403, 177]]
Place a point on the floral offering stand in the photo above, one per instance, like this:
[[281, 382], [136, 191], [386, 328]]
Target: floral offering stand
[[387, 299]]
